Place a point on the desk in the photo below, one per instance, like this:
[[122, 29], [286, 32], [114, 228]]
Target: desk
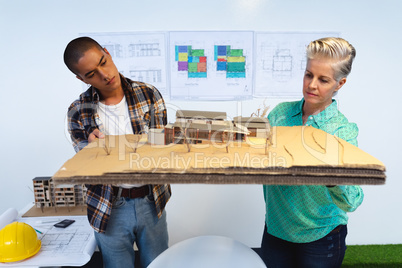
[[71, 246]]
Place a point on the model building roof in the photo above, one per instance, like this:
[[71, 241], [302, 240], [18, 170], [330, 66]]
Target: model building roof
[[227, 127], [41, 178], [252, 122], [201, 115]]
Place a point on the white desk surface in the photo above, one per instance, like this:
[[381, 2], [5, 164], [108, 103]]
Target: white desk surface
[[71, 246]]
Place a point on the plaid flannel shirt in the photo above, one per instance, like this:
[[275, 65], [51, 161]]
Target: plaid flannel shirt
[[146, 110]]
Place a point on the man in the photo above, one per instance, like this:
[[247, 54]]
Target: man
[[115, 105]]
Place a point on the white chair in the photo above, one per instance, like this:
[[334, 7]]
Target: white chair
[[208, 252]]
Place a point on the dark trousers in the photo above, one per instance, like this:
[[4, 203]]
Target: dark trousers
[[327, 252]]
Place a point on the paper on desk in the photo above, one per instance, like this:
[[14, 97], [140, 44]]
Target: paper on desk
[[71, 246]]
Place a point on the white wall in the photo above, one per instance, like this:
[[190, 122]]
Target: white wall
[[36, 89]]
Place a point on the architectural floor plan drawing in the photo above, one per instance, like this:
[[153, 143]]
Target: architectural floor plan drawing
[[192, 61], [280, 62], [140, 56], [229, 60], [211, 65]]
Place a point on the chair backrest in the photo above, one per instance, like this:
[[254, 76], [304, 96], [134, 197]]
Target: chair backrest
[[208, 251]]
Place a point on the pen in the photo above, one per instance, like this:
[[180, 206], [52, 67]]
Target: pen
[[38, 231], [40, 222]]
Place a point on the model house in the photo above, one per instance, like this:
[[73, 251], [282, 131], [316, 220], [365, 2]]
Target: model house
[[47, 195], [258, 127], [197, 126]]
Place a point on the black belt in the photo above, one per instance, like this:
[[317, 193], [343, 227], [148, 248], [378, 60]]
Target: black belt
[[135, 192], [337, 229]]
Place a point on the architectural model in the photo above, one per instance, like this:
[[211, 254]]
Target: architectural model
[[206, 147], [197, 126], [49, 195]]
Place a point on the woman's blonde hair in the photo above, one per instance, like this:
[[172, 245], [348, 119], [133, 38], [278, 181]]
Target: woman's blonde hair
[[336, 49]]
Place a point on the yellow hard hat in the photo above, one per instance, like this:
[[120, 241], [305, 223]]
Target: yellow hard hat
[[18, 241]]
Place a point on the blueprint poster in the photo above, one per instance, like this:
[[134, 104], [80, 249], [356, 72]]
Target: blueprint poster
[[140, 56], [213, 65], [208, 65], [281, 62]]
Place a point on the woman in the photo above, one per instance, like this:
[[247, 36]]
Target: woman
[[306, 225]]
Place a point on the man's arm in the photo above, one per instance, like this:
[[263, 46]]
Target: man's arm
[[78, 134], [158, 111], [76, 128], [96, 134]]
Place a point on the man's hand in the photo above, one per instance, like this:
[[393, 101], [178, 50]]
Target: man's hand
[[96, 134]]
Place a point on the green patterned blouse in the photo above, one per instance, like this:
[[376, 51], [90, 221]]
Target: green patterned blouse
[[306, 213]]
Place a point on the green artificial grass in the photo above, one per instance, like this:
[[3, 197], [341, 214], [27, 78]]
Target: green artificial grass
[[373, 256]]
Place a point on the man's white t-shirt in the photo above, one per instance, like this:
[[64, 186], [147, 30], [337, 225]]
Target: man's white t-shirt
[[116, 121]]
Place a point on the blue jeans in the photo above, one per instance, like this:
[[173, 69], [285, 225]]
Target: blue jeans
[[132, 220], [326, 252]]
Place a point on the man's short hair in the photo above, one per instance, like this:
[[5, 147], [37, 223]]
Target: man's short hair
[[76, 49]]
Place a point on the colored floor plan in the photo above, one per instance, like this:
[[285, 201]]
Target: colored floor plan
[[192, 61], [212, 65], [230, 60]]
